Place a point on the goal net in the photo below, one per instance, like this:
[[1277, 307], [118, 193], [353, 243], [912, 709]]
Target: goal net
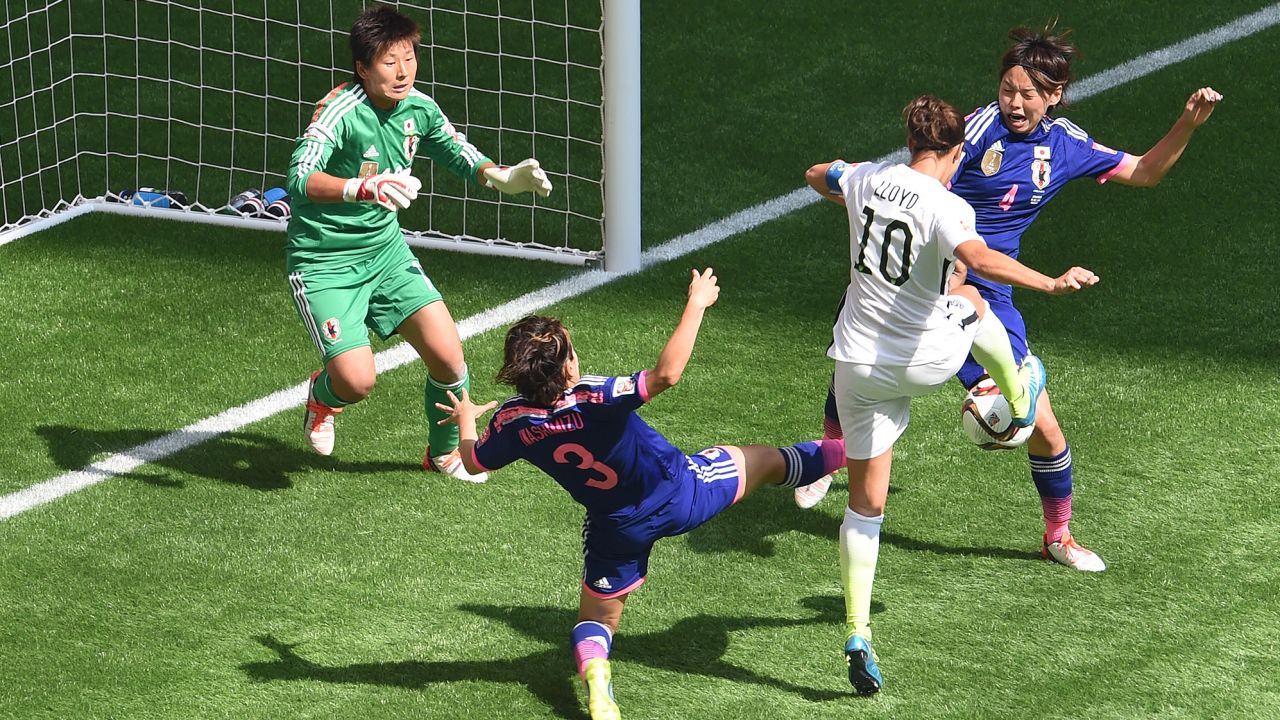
[[203, 99]]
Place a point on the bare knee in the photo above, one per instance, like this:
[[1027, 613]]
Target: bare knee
[[448, 373], [869, 484], [606, 611], [445, 366], [970, 293], [352, 385]]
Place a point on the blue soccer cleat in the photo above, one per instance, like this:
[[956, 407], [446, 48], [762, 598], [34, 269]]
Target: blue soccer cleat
[[1033, 370], [864, 673]]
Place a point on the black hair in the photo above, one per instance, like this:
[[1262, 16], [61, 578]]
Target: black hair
[[378, 28], [1045, 55]]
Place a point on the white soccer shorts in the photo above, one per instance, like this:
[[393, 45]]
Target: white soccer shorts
[[874, 401]]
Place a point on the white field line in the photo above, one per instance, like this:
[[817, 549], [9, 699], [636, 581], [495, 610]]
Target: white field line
[[742, 221]]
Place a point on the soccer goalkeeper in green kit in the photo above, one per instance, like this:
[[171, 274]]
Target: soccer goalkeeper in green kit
[[349, 267]]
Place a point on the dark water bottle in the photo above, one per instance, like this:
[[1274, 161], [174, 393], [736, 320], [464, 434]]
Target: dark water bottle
[[248, 203]]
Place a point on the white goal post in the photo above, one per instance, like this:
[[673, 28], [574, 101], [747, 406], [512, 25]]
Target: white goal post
[[102, 101]]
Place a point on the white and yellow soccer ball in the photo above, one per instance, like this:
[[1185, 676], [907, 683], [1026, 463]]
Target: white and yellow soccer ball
[[987, 419]]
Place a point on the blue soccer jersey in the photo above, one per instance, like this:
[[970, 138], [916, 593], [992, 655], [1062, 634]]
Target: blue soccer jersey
[[1007, 178], [593, 444]]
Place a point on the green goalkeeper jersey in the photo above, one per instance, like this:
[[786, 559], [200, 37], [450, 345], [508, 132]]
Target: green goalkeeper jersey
[[350, 137]]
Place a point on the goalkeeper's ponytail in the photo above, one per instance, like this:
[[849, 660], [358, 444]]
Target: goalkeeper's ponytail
[[534, 357]]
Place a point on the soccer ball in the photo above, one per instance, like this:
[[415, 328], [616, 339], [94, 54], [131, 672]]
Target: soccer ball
[[986, 418]]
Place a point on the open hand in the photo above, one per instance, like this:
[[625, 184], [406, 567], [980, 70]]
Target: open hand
[[462, 409]]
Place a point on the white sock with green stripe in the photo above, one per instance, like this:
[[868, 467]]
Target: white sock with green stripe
[[859, 550]]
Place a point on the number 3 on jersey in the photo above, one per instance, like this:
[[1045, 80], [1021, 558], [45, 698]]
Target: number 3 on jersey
[[891, 229], [565, 455]]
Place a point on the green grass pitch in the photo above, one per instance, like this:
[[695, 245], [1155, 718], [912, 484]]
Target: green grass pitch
[[247, 578]]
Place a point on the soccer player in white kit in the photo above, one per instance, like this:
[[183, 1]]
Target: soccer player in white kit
[[899, 334]]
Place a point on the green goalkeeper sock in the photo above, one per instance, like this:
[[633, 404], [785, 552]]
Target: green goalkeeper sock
[[991, 348], [443, 438]]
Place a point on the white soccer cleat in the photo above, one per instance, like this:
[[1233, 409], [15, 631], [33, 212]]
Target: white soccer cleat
[[1072, 554], [450, 464], [812, 494], [317, 421]]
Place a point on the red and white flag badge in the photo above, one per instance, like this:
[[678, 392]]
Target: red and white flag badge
[[1040, 173], [332, 329]]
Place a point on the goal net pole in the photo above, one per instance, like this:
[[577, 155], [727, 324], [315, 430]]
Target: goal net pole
[[621, 135]]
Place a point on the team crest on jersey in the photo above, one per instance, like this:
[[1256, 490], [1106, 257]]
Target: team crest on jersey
[[368, 168], [992, 159], [410, 139], [332, 330], [1040, 173]]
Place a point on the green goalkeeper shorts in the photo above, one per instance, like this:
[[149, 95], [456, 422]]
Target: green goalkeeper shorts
[[337, 303]]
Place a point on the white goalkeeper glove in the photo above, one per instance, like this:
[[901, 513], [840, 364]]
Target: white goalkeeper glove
[[528, 176], [393, 191]]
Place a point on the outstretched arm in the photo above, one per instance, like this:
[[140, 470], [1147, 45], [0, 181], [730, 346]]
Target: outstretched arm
[[1151, 167], [703, 293], [999, 267], [464, 413]]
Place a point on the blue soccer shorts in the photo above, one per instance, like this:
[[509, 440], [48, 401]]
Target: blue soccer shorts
[[616, 559], [972, 371]]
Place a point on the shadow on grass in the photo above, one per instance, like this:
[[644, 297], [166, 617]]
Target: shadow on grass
[[694, 646], [249, 459], [906, 543], [753, 525]]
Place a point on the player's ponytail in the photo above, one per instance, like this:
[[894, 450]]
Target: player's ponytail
[[1045, 55], [933, 125], [533, 359]]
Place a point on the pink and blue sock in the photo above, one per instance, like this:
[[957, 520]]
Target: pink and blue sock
[[590, 640], [806, 462], [1052, 476]]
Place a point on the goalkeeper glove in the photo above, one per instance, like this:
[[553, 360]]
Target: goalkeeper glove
[[528, 176], [393, 191]]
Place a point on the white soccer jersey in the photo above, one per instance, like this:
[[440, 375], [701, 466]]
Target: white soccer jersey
[[904, 228]]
